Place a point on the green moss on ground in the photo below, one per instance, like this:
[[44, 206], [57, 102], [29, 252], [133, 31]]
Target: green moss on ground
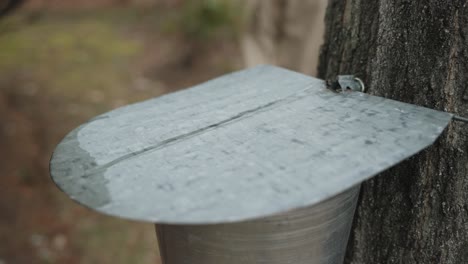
[[69, 57]]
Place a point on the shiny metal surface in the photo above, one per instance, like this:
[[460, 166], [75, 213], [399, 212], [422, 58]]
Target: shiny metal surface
[[246, 145], [312, 235]]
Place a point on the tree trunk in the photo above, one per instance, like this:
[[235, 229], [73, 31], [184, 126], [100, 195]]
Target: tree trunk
[[414, 51], [284, 32]]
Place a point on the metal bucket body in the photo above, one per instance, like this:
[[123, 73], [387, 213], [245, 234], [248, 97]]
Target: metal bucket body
[[312, 235]]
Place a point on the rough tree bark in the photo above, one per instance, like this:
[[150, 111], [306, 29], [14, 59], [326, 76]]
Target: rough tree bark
[[414, 51]]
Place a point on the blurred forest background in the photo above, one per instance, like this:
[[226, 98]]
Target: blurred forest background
[[65, 61]]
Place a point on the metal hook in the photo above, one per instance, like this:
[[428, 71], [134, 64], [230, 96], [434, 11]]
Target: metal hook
[[347, 83]]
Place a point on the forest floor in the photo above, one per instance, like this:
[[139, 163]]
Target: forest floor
[[58, 69]]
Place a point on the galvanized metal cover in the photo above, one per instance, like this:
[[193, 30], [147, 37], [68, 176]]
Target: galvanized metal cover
[[247, 145]]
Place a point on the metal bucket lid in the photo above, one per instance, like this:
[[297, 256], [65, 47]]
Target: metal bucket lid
[[246, 145]]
